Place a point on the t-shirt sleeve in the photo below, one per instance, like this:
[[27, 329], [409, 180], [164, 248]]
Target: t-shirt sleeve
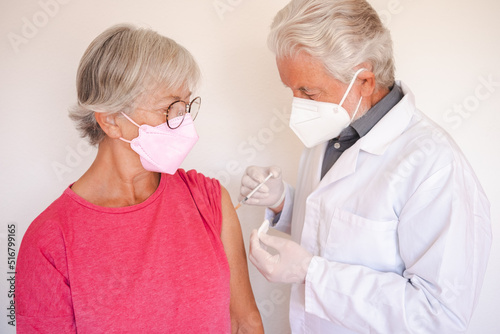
[[206, 193], [43, 294]]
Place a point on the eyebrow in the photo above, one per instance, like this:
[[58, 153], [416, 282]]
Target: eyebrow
[[302, 89], [170, 99], [176, 97], [310, 91]]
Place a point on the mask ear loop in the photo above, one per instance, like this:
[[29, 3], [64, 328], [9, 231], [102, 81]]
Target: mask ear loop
[[351, 84], [357, 108], [132, 121]]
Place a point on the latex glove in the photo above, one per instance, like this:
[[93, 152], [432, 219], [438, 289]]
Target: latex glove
[[289, 265], [271, 194]]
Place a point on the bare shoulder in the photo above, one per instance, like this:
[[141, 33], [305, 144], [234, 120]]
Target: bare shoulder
[[230, 222]]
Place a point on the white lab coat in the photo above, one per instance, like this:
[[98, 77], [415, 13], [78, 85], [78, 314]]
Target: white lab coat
[[399, 229]]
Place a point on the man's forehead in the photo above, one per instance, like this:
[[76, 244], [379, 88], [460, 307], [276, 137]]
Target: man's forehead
[[301, 73]]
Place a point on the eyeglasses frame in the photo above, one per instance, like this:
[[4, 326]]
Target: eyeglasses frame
[[188, 110]]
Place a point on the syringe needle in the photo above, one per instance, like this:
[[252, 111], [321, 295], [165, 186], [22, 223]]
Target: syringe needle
[[253, 192]]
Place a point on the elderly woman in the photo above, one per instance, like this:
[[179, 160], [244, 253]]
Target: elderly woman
[[136, 245]]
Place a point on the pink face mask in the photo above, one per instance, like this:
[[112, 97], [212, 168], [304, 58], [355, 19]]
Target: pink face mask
[[162, 149]]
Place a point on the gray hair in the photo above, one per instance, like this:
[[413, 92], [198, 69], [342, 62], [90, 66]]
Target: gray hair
[[121, 65], [341, 34]]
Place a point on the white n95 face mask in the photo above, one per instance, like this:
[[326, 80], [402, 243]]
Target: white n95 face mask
[[315, 122]]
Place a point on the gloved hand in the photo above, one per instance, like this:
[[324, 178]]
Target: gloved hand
[[289, 265], [271, 194]]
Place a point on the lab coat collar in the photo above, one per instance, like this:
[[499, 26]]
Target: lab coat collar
[[376, 141], [391, 125]]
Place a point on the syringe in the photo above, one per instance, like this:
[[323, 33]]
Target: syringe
[[253, 192]]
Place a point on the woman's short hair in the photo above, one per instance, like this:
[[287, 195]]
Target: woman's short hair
[[120, 65], [341, 34]]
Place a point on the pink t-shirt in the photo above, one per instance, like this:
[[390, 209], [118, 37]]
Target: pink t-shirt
[[155, 267]]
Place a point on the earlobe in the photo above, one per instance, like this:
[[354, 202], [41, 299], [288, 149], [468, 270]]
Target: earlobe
[[107, 122]]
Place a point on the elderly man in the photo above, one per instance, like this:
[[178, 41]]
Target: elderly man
[[390, 227]]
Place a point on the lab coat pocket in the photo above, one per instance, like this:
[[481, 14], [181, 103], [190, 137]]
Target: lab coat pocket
[[353, 239]]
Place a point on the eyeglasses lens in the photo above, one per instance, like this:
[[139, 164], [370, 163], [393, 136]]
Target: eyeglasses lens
[[194, 107]]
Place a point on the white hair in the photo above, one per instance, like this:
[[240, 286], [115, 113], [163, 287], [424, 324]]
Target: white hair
[[121, 65], [341, 34]]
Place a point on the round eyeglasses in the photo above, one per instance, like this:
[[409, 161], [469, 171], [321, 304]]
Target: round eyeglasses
[[180, 109]]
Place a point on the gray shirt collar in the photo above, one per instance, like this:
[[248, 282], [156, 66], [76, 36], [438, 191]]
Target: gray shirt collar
[[365, 123]]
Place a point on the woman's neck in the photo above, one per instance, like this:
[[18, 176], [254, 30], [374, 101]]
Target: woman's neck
[[116, 178]]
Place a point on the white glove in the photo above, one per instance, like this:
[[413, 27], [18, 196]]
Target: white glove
[[271, 194], [289, 265]]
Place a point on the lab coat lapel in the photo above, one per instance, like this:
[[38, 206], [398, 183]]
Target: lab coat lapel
[[307, 183], [375, 141], [315, 159], [344, 166]]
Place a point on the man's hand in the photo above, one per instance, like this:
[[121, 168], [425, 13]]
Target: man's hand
[[289, 265], [271, 194]]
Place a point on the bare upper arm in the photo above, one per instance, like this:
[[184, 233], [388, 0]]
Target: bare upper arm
[[245, 317]]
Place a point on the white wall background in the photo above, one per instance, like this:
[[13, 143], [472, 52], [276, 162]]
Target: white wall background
[[447, 51]]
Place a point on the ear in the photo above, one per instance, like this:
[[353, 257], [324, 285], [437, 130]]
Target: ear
[[108, 124], [368, 83]]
